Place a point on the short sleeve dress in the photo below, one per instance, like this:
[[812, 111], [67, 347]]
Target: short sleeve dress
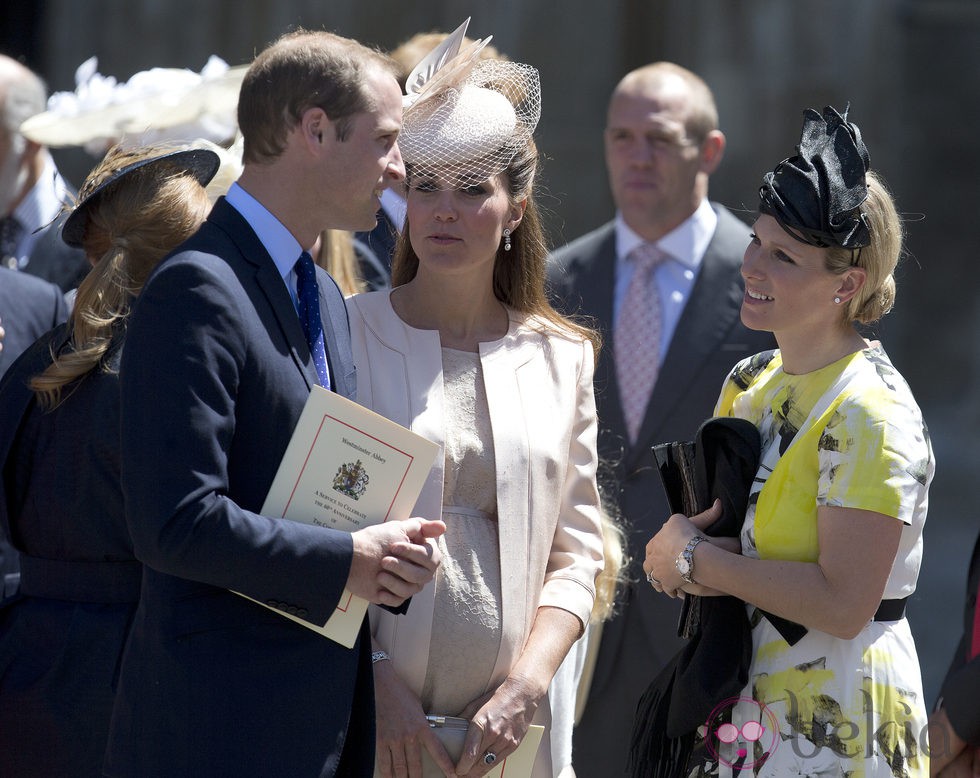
[[825, 706]]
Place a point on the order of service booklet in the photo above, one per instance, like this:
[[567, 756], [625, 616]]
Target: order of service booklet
[[346, 468]]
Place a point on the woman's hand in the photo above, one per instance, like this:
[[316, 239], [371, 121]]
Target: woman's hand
[[950, 756], [402, 729], [498, 723], [966, 765], [664, 547]]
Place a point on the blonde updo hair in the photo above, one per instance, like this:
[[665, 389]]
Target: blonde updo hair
[[879, 259]]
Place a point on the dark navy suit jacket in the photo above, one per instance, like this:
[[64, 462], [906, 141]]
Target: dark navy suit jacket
[[213, 379], [961, 687], [29, 307]]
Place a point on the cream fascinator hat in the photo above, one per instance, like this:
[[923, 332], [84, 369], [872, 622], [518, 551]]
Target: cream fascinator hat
[[154, 106], [465, 119]]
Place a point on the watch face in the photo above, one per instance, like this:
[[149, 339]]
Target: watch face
[[683, 565]]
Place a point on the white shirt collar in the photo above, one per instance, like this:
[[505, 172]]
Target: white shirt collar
[[394, 205], [44, 201], [686, 243]]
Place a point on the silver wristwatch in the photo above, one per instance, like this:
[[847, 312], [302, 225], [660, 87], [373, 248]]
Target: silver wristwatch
[[685, 559]]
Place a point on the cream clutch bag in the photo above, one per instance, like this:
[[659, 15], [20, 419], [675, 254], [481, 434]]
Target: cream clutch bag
[[451, 731]]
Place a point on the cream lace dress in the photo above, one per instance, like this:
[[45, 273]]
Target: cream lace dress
[[466, 623]]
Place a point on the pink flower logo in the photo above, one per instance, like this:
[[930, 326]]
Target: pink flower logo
[[734, 746]]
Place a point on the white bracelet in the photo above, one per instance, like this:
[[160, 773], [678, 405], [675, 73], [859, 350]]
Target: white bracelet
[[377, 656]]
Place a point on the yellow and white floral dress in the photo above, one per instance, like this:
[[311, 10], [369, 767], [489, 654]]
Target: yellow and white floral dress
[[827, 706]]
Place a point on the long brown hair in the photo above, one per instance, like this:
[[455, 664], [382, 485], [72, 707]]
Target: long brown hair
[[135, 223], [519, 274]]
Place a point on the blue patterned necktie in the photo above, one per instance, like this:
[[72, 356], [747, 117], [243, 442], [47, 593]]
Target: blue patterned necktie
[[308, 294]]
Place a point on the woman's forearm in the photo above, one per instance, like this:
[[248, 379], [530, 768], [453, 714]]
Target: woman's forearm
[[552, 635]]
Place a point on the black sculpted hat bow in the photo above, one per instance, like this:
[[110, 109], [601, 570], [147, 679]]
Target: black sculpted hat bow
[[816, 195]]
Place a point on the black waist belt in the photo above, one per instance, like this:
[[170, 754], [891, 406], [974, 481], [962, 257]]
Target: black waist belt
[[792, 633], [890, 610], [76, 581]]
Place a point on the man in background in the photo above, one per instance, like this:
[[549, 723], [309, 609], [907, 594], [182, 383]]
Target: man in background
[[662, 283], [32, 192]]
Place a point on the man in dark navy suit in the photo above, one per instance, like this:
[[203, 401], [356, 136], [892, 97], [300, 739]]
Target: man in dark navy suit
[[662, 145], [216, 370]]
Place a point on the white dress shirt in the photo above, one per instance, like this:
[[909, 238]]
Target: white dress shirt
[[278, 241], [40, 206]]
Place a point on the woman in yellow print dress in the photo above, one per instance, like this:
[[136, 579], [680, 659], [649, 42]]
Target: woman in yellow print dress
[[832, 539]]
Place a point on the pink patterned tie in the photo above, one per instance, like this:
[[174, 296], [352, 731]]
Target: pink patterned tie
[[636, 340]]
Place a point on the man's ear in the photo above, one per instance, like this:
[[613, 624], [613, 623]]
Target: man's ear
[[712, 150], [314, 125]]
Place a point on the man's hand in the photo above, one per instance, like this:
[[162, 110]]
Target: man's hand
[[394, 560]]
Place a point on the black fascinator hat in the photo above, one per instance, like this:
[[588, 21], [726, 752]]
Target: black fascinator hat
[[816, 195], [200, 163]]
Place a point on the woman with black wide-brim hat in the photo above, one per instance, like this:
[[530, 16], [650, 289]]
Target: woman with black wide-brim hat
[[63, 632]]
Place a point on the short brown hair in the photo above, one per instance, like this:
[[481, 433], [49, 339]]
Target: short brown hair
[[303, 70], [702, 112]]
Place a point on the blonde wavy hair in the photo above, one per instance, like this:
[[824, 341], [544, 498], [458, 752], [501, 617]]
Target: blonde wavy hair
[[879, 259], [131, 226]]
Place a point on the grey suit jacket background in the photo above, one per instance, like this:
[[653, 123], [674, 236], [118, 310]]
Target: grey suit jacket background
[[707, 343]]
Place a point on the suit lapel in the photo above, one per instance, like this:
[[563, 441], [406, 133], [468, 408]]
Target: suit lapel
[[267, 277], [333, 314], [597, 280], [503, 376]]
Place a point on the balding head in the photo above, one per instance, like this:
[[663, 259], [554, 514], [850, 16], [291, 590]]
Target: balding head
[[662, 144], [667, 78], [22, 94]]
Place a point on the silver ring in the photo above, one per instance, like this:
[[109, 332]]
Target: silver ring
[[489, 758], [651, 580]]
